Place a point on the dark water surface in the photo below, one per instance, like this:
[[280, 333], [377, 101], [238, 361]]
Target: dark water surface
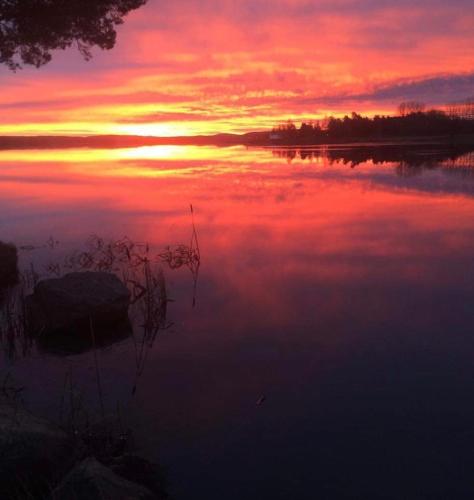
[[336, 288]]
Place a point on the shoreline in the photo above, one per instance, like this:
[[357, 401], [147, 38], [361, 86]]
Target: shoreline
[[253, 139]]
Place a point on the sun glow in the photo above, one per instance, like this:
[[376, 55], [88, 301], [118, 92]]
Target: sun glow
[[155, 129], [93, 156]]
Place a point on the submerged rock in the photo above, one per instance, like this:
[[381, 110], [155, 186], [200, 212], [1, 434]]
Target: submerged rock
[[33, 452], [8, 265], [90, 480], [69, 305], [141, 471]]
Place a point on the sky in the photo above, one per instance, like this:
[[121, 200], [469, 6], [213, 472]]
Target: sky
[[204, 66]]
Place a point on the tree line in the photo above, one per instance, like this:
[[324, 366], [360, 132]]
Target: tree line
[[412, 121]]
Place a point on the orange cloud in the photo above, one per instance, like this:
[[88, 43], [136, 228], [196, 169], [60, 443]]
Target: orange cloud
[[201, 67]]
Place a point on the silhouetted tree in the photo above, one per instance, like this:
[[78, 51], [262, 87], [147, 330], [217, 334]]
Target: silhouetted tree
[[463, 109], [31, 29], [288, 126], [430, 123], [409, 107]]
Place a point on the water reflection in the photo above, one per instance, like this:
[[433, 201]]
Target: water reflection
[[79, 324], [66, 343], [342, 295], [415, 155], [8, 268]]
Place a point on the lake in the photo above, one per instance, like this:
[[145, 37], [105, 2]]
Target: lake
[[322, 349]]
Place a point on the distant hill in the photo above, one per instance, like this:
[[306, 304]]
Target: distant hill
[[128, 141]]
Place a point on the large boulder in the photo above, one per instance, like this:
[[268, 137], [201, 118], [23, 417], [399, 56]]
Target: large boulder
[[90, 480], [34, 453], [64, 309]]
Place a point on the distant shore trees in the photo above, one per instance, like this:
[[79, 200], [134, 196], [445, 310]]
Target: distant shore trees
[[463, 109], [410, 107], [413, 122]]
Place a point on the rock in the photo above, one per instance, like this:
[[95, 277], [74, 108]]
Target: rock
[[34, 453], [139, 470], [90, 480], [68, 304], [8, 265], [106, 438]]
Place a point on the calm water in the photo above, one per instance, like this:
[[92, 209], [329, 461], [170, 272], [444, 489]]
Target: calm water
[[339, 285]]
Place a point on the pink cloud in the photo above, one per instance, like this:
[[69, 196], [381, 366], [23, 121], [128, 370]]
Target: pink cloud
[[250, 61]]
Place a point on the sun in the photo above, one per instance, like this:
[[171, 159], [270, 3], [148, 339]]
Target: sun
[[168, 129]]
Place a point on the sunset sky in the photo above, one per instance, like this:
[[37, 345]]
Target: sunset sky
[[206, 66]]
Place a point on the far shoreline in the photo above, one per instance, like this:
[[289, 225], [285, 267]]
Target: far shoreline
[[251, 139]]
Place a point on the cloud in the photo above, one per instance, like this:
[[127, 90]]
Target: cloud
[[248, 63], [437, 90]]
